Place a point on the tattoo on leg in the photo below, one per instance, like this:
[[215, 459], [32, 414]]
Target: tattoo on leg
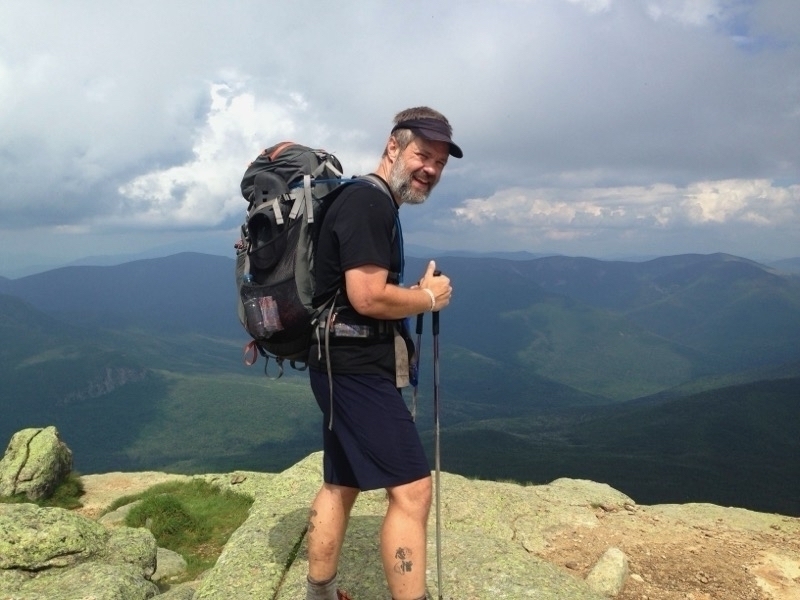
[[312, 513], [404, 562]]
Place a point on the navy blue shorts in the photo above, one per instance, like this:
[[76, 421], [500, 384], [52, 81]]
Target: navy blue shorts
[[374, 442]]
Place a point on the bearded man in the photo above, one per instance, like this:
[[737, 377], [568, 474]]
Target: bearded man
[[361, 359]]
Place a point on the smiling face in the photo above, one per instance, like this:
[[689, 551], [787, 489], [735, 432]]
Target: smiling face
[[416, 169]]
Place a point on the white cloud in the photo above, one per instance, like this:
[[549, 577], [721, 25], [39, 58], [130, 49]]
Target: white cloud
[[758, 202], [755, 202], [202, 191]]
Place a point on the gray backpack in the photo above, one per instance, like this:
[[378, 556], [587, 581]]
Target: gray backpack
[[288, 188]]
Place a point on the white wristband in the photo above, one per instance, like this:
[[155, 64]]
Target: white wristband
[[433, 298]]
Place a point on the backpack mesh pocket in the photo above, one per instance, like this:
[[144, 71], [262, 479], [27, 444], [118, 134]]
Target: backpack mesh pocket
[[261, 316], [273, 307]]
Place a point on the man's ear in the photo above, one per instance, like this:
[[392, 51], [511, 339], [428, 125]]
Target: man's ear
[[392, 148]]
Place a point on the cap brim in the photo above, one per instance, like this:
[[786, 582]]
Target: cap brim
[[437, 136]]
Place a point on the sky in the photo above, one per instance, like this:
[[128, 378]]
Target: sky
[[603, 128]]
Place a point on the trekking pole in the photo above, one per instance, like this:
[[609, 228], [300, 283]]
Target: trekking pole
[[436, 450], [416, 367]]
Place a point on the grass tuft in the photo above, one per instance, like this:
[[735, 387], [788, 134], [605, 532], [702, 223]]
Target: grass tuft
[[193, 518], [167, 519], [66, 495]]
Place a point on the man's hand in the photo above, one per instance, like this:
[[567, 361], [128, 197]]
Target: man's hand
[[438, 284]]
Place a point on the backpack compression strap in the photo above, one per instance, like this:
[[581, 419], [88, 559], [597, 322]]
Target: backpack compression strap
[[280, 148], [304, 196]]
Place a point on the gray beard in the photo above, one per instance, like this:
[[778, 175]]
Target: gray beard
[[400, 184]]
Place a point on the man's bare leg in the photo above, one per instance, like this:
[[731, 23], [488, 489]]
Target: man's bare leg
[[327, 525], [404, 539]]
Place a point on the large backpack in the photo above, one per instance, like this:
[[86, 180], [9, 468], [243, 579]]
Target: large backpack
[[287, 187]]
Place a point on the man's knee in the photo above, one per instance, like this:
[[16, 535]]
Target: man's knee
[[414, 497], [337, 496]]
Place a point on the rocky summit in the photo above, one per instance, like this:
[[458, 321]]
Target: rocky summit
[[569, 539]]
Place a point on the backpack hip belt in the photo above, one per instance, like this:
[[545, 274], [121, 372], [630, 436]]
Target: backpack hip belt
[[364, 331]]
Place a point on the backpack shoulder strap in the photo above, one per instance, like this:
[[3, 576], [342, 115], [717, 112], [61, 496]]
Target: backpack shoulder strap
[[377, 182]]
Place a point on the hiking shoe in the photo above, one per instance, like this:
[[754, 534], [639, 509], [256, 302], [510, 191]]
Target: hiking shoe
[[343, 595]]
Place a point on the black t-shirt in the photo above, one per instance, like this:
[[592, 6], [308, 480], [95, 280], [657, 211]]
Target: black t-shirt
[[360, 228]]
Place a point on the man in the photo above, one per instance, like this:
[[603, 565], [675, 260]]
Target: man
[[370, 440]]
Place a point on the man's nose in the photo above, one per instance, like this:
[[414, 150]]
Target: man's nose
[[432, 168]]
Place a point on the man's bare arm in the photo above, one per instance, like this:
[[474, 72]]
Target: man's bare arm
[[371, 295]]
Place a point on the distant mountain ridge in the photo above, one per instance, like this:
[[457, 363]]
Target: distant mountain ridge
[[788, 265], [532, 351], [181, 292], [613, 328], [665, 321]]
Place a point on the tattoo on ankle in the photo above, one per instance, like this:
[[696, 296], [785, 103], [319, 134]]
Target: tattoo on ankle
[[404, 562]]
